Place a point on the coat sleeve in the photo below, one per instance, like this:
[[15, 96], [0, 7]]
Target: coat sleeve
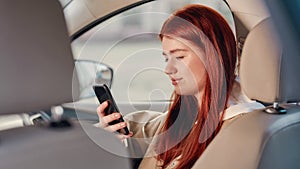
[[144, 125]]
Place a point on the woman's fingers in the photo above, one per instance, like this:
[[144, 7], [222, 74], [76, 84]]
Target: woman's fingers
[[109, 118], [100, 109], [115, 127], [105, 119], [123, 137]]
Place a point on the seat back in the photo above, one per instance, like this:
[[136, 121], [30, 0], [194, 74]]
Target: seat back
[[61, 148], [258, 139], [36, 71]]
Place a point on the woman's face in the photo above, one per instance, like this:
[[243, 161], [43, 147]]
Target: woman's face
[[184, 67]]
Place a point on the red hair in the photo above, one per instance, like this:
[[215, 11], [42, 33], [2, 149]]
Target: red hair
[[189, 127]]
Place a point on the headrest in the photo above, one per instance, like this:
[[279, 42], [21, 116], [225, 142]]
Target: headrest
[[267, 73], [36, 67]]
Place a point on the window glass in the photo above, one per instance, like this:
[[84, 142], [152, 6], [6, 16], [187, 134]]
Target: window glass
[[129, 44]]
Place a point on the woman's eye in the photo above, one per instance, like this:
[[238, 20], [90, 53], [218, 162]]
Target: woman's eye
[[166, 59], [179, 57]]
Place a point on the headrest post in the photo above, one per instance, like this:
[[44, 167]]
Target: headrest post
[[57, 120], [276, 109], [275, 105]]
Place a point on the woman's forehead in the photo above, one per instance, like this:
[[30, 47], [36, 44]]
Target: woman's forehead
[[173, 45]]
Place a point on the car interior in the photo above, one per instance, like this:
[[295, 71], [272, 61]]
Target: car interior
[[45, 124]]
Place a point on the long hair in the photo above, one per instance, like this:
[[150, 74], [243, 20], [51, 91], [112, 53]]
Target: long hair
[[190, 127]]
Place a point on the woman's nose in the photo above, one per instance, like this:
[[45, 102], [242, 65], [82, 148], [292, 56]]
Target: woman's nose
[[170, 68]]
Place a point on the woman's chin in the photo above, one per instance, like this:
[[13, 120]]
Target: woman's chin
[[182, 91], [177, 90]]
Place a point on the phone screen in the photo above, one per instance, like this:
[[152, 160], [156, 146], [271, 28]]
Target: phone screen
[[103, 94]]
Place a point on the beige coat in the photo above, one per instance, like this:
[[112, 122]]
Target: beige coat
[[147, 130], [146, 124]]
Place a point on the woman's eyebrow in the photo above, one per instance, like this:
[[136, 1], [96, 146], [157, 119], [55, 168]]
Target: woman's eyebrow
[[174, 51]]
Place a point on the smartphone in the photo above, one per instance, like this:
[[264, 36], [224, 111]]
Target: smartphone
[[103, 94]]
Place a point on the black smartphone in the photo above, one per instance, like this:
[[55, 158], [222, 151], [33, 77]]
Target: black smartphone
[[103, 94]]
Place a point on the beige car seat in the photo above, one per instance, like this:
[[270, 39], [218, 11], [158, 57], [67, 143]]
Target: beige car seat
[[268, 138], [36, 71]]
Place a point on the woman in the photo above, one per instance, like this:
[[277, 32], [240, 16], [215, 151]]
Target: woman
[[200, 52]]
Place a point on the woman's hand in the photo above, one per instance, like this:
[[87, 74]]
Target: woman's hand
[[105, 119]]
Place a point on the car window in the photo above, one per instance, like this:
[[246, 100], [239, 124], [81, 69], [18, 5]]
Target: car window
[[129, 44]]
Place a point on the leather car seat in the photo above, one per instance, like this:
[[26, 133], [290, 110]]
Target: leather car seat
[[267, 138], [36, 71]]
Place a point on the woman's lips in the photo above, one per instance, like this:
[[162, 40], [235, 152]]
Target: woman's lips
[[175, 80]]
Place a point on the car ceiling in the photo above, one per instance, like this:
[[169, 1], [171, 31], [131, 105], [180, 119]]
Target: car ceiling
[[80, 13]]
